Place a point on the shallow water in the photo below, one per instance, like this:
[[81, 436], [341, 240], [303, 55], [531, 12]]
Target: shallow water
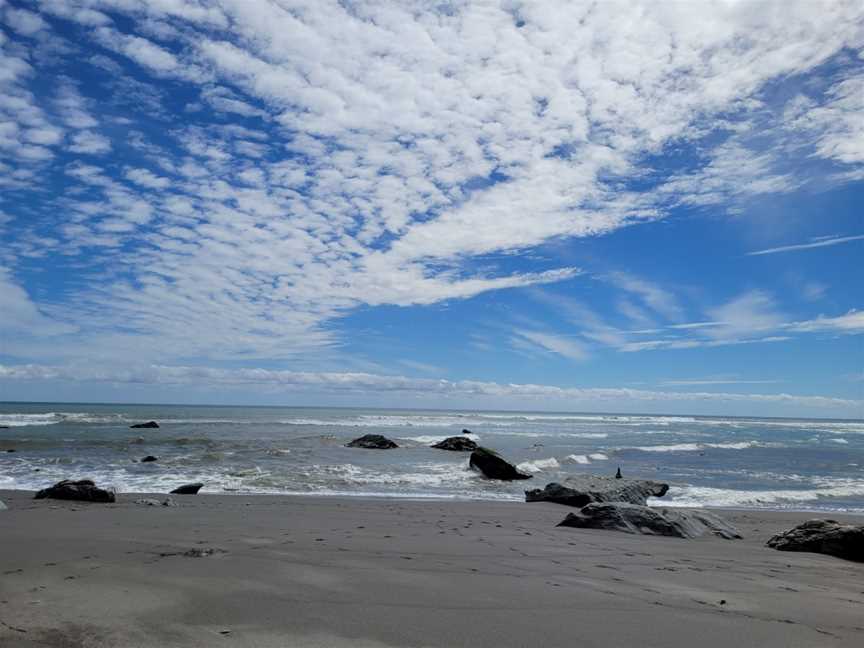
[[711, 461]]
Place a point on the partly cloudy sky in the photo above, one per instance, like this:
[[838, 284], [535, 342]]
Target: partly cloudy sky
[[606, 206]]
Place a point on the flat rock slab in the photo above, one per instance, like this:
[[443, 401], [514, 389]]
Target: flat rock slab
[[372, 442], [456, 444], [585, 489], [632, 518], [493, 466], [83, 490], [825, 537]]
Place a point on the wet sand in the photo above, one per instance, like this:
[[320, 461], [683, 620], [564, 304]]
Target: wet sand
[[262, 571]]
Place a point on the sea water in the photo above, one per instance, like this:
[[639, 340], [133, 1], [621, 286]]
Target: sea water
[[709, 461]]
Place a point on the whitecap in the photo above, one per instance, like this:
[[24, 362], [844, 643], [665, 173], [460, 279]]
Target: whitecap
[[539, 465]]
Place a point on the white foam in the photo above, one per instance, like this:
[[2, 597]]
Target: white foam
[[693, 447], [430, 439], [579, 459], [598, 456], [708, 496], [539, 465]]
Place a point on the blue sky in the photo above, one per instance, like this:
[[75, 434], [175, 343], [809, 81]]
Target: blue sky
[[566, 206]]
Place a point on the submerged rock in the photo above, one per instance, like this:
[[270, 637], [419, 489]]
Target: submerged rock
[[188, 489], [457, 444], [372, 442], [83, 490], [493, 466], [580, 490], [148, 424], [149, 458], [632, 518], [825, 537]]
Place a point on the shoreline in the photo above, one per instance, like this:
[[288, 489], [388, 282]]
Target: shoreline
[[262, 571], [415, 497]]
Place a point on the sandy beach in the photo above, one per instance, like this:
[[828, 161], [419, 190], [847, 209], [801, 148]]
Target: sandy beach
[[321, 571]]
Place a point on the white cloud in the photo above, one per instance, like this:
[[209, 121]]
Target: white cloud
[[24, 22], [366, 383], [807, 246], [750, 313], [557, 344], [405, 142], [89, 142], [20, 316]]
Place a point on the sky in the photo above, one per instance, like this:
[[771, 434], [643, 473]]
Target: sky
[[569, 206]]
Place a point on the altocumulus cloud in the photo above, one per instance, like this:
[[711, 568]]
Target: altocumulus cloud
[[335, 155]]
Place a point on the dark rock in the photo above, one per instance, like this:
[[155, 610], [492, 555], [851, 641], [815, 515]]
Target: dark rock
[[149, 458], [618, 474], [147, 501], [493, 466], [84, 490], [823, 536], [456, 443], [372, 442], [464, 431], [11, 450], [148, 424], [632, 518], [4, 427], [580, 490], [188, 489]]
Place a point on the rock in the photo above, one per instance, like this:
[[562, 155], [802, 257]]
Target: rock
[[149, 458], [148, 501], [4, 427], [457, 444], [580, 490], [84, 490], [632, 518], [372, 442], [11, 450], [823, 536], [618, 474], [188, 489], [148, 424], [464, 431], [493, 466]]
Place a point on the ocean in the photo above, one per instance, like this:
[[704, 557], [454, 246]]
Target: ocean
[[709, 461]]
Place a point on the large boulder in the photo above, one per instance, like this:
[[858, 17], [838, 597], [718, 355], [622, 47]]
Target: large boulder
[[188, 489], [580, 490], [457, 444], [148, 424], [823, 536], [83, 490], [632, 518], [372, 442], [493, 466]]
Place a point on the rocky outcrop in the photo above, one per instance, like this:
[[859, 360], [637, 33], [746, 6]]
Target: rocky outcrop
[[825, 537], [632, 518], [457, 444], [83, 490], [493, 466], [149, 458], [372, 442], [580, 490], [188, 489], [148, 424]]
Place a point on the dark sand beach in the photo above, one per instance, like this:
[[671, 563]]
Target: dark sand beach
[[263, 571]]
